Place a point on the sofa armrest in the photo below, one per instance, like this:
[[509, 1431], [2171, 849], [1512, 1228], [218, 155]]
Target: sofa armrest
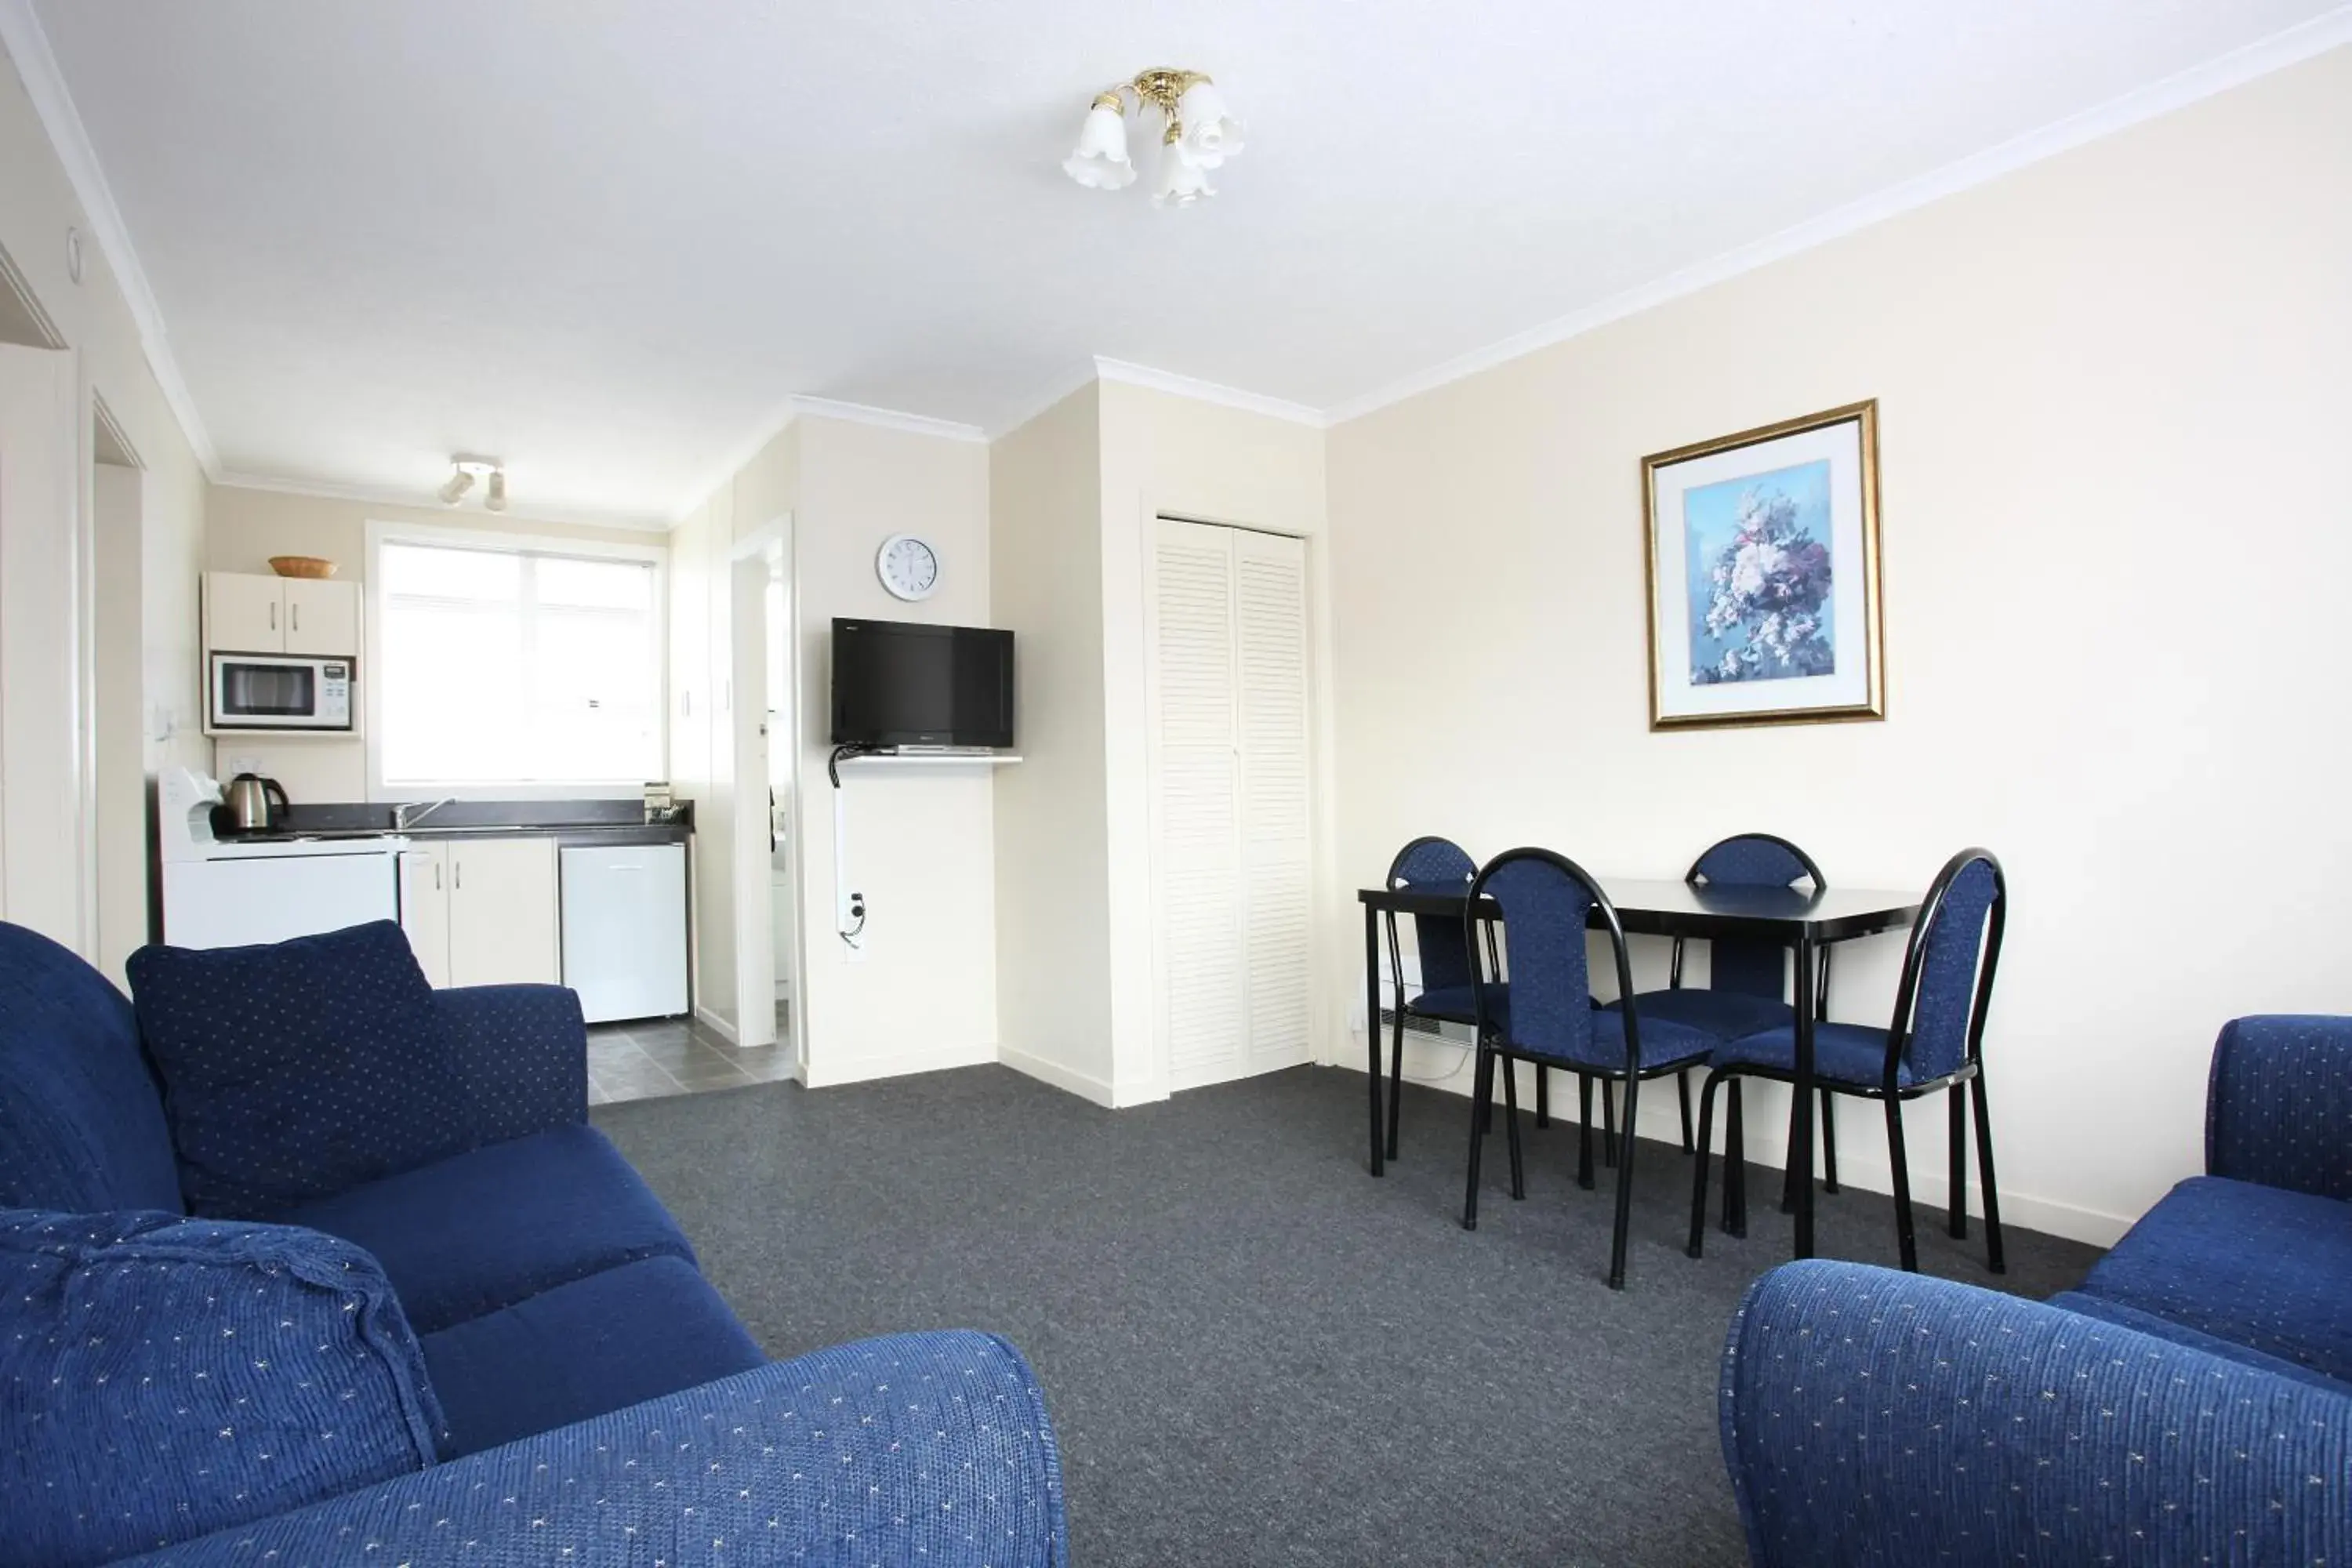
[[2278, 1108], [930, 1448], [1876, 1418], [523, 1052]]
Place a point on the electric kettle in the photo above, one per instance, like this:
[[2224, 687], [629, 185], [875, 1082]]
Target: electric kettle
[[248, 798]]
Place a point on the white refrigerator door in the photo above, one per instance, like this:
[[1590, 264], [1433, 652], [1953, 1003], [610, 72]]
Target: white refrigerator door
[[625, 929], [230, 903]]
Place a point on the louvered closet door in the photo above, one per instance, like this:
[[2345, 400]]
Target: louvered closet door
[[1229, 672]]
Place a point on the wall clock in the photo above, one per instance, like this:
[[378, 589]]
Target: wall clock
[[907, 566]]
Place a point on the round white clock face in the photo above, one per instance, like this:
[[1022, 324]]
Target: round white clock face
[[907, 566]]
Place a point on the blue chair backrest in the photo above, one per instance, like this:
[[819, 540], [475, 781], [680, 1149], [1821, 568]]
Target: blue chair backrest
[[1754, 966], [1546, 900], [1948, 972], [1436, 864], [82, 1122]]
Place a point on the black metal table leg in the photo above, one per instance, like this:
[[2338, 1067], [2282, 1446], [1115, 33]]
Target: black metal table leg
[[1373, 1024], [1800, 1157]]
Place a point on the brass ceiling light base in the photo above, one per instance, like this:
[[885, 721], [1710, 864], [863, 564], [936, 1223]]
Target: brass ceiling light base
[[1198, 135]]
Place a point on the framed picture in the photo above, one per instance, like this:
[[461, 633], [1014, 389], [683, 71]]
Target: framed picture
[[1763, 574]]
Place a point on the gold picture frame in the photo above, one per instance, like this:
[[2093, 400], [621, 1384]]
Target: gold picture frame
[[1768, 542]]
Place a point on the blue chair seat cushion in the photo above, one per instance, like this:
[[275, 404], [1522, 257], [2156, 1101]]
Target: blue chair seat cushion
[[1843, 1053], [1664, 1043], [582, 1350], [297, 1069], [2260, 1267], [501, 1224], [1453, 1002], [1725, 1015], [2165, 1329], [162, 1377]]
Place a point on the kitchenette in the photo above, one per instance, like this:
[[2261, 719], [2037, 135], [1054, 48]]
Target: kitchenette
[[592, 894]]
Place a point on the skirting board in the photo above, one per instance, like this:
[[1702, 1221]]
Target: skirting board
[[1767, 1135], [715, 1023], [1080, 1084], [898, 1064]]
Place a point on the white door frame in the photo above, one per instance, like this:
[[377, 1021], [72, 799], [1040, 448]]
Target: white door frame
[[766, 546]]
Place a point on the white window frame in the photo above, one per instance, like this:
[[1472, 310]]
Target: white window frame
[[380, 534]]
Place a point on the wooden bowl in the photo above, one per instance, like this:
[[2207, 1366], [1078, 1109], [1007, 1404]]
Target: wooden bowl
[[301, 566]]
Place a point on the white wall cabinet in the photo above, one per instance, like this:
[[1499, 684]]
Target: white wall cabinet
[[1228, 636], [249, 612], [483, 911]]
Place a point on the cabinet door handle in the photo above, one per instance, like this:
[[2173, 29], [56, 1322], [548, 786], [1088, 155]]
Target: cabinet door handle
[[457, 874], [294, 617], [273, 618], [437, 878]]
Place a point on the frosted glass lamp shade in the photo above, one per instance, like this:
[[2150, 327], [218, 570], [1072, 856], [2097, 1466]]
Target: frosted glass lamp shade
[[1181, 179], [1100, 162], [1211, 135]]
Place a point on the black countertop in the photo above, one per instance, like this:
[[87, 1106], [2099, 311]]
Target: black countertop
[[566, 821]]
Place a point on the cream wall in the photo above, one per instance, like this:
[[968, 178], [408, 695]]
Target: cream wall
[[924, 993], [37, 208], [1177, 456], [1053, 872], [2113, 392], [245, 527]]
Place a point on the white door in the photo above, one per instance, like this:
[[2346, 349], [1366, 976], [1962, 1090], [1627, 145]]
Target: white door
[[503, 912], [43, 834], [1228, 641], [244, 613], [424, 909], [322, 617]]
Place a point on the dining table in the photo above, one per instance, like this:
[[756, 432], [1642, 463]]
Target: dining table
[[1804, 921]]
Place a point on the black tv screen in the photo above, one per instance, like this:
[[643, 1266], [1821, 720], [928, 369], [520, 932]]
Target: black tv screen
[[900, 683]]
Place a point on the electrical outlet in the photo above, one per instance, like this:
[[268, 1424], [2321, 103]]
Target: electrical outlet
[[242, 762], [857, 922]]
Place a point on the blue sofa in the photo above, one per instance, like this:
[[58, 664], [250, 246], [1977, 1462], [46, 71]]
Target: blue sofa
[[2191, 1402], [509, 1353]]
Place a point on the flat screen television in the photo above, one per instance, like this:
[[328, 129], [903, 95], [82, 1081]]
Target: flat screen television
[[900, 683]]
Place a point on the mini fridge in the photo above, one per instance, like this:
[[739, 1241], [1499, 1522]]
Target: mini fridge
[[625, 929]]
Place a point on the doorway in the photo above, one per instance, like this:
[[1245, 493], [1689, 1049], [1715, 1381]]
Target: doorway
[[766, 861]]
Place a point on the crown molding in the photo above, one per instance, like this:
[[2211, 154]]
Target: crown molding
[[29, 45], [2330, 30], [1143, 375], [390, 495], [887, 419], [1038, 403], [778, 421]]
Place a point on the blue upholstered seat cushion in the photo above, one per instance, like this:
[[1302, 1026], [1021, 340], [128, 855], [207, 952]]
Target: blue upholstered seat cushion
[[298, 1069], [1665, 1043], [1453, 1002], [2131, 1317], [597, 1344], [81, 1125], [497, 1225], [1843, 1053], [1725, 1015], [2257, 1266], [162, 1377]]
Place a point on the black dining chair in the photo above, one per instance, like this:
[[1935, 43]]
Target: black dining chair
[[1747, 983], [1935, 1041], [1440, 942], [1546, 901]]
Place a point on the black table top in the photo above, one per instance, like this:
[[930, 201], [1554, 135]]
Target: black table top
[[1667, 908]]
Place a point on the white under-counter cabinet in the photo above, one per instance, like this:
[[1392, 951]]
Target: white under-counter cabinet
[[483, 911], [251, 612]]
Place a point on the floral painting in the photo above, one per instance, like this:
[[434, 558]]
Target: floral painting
[[1763, 572], [1759, 564]]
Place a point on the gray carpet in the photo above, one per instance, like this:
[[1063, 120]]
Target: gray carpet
[[1254, 1352]]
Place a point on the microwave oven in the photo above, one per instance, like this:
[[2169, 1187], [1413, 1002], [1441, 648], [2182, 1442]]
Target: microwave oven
[[280, 692]]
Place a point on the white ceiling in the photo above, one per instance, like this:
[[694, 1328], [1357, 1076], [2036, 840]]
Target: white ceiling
[[609, 240]]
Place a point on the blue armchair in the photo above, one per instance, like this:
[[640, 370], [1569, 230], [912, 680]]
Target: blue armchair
[[2191, 1402]]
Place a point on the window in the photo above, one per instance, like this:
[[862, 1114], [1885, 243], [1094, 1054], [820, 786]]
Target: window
[[511, 668]]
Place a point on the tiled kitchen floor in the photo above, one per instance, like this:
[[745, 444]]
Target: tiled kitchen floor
[[656, 1056]]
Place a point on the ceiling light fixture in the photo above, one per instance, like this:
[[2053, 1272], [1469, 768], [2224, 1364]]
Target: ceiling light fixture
[[465, 471], [1200, 136]]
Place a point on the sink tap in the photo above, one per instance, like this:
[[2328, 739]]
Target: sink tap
[[406, 816]]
